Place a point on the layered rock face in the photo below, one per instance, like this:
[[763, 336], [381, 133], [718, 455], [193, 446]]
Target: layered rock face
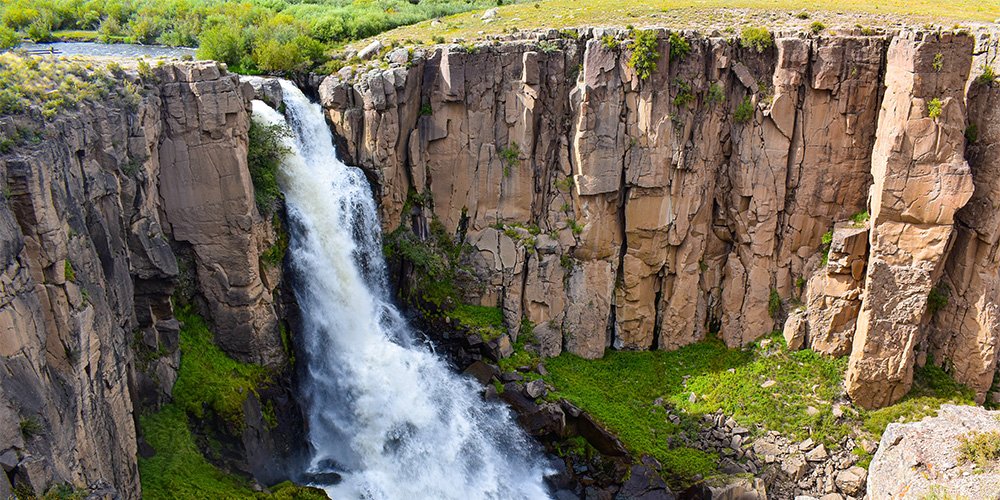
[[616, 211], [92, 222]]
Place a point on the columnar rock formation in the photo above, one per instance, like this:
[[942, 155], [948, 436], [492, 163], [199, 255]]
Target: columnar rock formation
[[921, 180], [90, 222], [693, 200]]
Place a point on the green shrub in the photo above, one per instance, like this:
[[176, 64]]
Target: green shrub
[[610, 42], [773, 304], [68, 271], [825, 242], [679, 47], [938, 62], [426, 110], [934, 108], [8, 38], [817, 27], [859, 219], [510, 156], [645, 53], [30, 427], [39, 31], [264, 154], [937, 298], [744, 111], [987, 77], [980, 448], [716, 94], [756, 38], [684, 95], [972, 133]]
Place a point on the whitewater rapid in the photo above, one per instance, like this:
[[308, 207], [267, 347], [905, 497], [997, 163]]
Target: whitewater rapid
[[383, 410]]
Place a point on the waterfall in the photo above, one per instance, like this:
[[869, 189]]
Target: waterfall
[[383, 410]]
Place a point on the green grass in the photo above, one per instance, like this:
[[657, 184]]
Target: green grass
[[620, 389], [207, 379], [210, 379], [683, 14], [522, 356], [76, 35], [487, 322], [179, 470]]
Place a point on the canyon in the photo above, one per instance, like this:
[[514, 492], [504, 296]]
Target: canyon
[[621, 212], [842, 187]]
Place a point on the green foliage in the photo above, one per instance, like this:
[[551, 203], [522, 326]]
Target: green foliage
[[574, 226], [934, 108], [744, 111], [610, 42], [8, 38], [510, 156], [485, 321], [68, 271], [684, 95], [859, 219], [426, 110], [248, 35], [679, 47], [756, 38], [938, 62], [773, 304], [264, 154], [645, 53], [987, 77], [825, 242], [39, 31], [980, 448], [817, 27], [209, 379], [435, 262], [569, 34], [30, 427], [524, 352], [716, 94], [937, 299], [275, 254], [972, 133], [938, 492], [565, 184], [932, 387]]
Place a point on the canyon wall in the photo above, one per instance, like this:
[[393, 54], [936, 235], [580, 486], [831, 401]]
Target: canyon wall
[[726, 191], [100, 221]]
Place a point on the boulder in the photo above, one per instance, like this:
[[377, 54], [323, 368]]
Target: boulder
[[921, 458]]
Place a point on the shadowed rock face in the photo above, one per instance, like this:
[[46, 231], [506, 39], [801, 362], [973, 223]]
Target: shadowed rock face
[[662, 214], [90, 222]]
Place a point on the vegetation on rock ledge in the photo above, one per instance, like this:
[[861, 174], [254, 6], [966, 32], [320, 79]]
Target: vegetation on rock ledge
[[765, 387]]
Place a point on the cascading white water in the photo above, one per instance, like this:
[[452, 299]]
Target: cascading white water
[[383, 410]]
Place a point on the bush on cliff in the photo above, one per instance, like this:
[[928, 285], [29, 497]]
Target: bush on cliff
[[645, 53], [264, 154]]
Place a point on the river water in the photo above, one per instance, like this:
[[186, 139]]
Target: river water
[[383, 411]]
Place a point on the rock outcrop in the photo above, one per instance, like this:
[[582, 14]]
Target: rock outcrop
[[614, 211], [921, 179], [922, 459], [94, 222]]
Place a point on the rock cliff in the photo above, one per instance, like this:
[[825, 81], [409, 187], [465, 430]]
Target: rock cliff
[[728, 190], [120, 204]]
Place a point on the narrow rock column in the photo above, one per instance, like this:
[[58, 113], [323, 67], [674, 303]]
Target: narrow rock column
[[920, 180]]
